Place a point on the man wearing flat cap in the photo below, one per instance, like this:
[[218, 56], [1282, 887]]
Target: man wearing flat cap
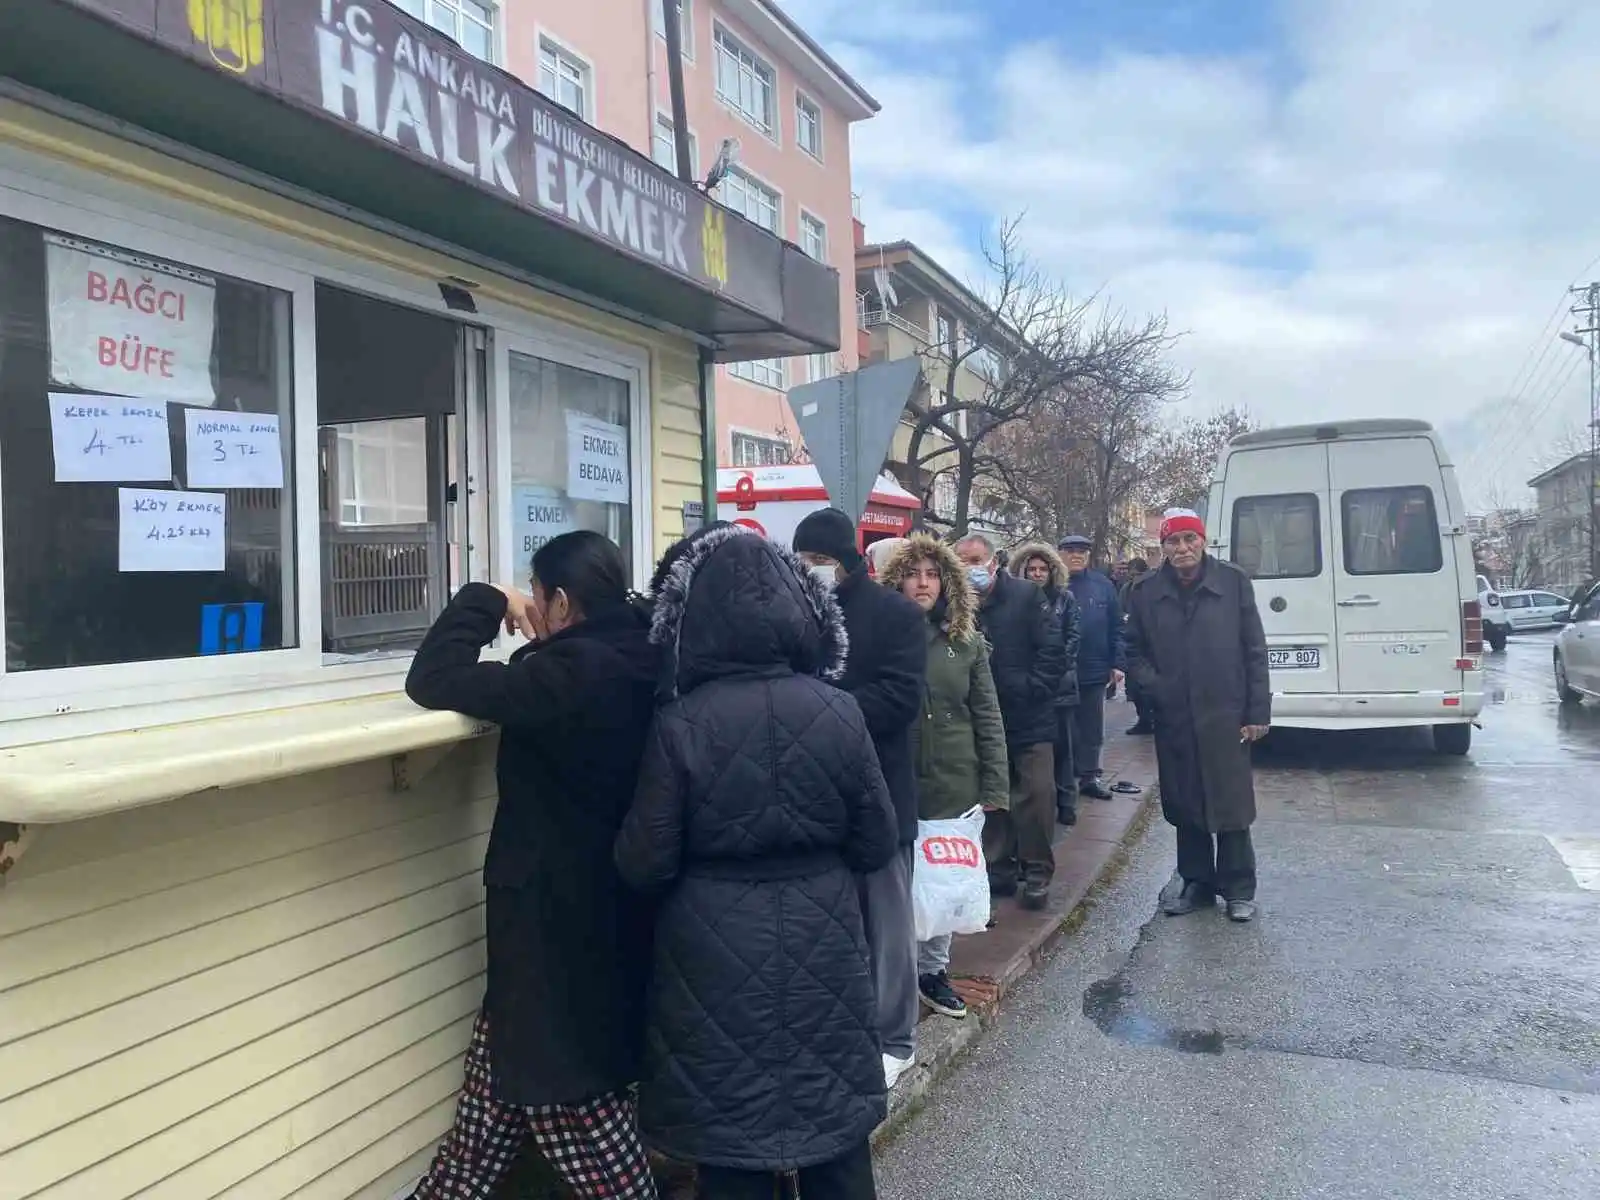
[[1198, 654]]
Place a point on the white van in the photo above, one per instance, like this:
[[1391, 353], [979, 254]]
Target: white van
[[1356, 537]]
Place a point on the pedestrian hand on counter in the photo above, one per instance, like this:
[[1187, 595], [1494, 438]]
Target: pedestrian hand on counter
[[1027, 659], [1142, 726], [556, 1044], [1043, 567], [760, 804], [883, 671], [1196, 647], [961, 750], [1100, 661]]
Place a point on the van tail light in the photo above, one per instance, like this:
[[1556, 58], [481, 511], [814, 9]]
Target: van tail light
[[1471, 629]]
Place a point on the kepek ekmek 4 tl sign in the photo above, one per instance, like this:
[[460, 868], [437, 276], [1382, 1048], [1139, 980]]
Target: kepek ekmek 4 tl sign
[[373, 67]]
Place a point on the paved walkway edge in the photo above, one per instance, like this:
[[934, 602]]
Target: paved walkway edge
[[942, 1043]]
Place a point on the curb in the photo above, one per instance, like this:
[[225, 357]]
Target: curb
[[942, 1044]]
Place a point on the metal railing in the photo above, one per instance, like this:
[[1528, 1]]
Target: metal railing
[[871, 318]]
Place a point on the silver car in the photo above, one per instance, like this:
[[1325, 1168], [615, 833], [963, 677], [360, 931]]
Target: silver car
[[1577, 651], [1529, 610]]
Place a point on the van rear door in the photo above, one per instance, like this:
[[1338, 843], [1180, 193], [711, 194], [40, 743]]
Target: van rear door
[[1396, 589], [1275, 505]]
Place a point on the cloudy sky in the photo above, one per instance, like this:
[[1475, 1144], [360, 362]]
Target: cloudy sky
[[1351, 207]]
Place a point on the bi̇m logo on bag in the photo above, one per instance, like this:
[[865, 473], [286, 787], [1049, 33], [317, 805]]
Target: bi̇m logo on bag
[[951, 852]]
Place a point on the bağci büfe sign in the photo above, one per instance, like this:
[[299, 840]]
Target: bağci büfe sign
[[370, 66]]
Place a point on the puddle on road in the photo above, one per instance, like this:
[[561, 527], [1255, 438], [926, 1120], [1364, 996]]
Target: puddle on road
[[1109, 1004]]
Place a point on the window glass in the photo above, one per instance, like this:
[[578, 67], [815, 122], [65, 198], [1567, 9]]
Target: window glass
[[658, 22], [752, 451], [1516, 601], [768, 372], [813, 237], [572, 455], [469, 22], [563, 78], [664, 148], [145, 435], [389, 405], [1549, 600], [751, 198], [808, 126], [1391, 531], [744, 82], [1277, 537]]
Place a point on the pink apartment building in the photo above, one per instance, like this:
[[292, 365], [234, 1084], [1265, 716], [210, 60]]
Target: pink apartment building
[[751, 73]]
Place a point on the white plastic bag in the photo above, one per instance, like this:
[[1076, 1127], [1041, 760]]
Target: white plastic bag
[[950, 880]]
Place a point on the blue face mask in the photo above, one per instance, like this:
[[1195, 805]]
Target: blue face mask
[[979, 577]]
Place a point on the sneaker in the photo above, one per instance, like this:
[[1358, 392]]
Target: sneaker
[[939, 996], [893, 1068], [1094, 788], [1241, 910]]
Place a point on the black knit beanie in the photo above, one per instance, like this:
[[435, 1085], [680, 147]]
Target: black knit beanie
[[829, 531]]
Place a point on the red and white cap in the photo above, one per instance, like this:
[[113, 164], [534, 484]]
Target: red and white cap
[[1181, 520]]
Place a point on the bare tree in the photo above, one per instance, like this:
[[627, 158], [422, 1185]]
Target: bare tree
[[1181, 463], [1032, 345]]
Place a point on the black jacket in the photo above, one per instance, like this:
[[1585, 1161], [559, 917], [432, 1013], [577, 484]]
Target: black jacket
[[1065, 610], [884, 670], [567, 941], [760, 801], [1199, 656], [1027, 658]]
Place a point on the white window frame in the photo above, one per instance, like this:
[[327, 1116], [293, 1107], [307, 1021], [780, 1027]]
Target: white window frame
[[497, 31], [821, 366], [809, 218], [747, 177], [694, 145], [69, 702], [565, 49], [754, 435], [739, 46], [762, 372], [658, 24], [803, 101]]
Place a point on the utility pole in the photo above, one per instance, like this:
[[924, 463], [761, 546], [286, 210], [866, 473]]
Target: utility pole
[[1588, 314]]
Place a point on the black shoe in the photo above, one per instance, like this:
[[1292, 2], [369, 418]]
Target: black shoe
[[1034, 895], [1066, 815], [940, 997], [1000, 889], [1141, 729], [1195, 897], [1094, 789], [1241, 910]]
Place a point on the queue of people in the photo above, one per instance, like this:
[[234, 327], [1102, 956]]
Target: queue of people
[[699, 879]]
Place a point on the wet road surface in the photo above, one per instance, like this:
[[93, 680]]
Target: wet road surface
[[1415, 1014]]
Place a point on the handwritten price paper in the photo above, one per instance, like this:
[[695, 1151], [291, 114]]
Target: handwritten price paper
[[171, 531], [233, 450], [105, 439]]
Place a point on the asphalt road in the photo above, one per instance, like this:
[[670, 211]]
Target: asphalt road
[[1415, 1014]]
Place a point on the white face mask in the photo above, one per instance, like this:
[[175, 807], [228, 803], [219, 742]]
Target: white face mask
[[826, 575]]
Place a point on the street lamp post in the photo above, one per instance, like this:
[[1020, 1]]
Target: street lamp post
[[1588, 348]]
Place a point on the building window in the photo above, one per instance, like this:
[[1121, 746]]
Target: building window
[[752, 451], [469, 22], [744, 82], [813, 237], [820, 366], [947, 333], [1391, 531], [573, 455], [753, 199], [808, 126], [685, 13], [1277, 537], [148, 493], [768, 372], [665, 150], [565, 78]]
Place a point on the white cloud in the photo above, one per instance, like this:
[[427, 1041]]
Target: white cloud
[[1374, 219]]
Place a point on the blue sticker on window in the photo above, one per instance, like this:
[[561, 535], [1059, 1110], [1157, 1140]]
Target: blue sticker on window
[[230, 628]]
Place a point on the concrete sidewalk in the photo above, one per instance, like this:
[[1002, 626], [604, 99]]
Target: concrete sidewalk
[[986, 966]]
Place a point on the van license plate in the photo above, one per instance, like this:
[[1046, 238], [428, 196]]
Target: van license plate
[[1295, 658]]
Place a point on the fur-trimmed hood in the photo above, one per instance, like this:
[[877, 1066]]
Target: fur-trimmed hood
[[733, 603], [961, 604], [1059, 576]]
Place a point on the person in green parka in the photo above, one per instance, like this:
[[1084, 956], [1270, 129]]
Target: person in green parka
[[961, 744]]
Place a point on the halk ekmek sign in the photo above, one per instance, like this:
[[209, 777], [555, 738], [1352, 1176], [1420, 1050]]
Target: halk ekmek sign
[[371, 66]]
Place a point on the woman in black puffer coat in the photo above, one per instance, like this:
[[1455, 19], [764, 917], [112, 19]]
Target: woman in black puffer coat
[[760, 801]]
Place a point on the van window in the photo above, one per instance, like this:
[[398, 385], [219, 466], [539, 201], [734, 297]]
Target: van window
[[1391, 531], [1550, 600], [1277, 537]]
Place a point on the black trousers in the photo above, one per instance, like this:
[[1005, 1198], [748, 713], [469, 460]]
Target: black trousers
[[1066, 780], [1089, 730], [848, 1177], [1225, 862]]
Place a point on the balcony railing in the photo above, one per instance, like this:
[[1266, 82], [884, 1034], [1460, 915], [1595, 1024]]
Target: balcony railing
[[871, 318]]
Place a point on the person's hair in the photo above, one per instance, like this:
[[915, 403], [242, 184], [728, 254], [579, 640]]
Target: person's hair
[[979, 538], [588, 566], [1138, 565]]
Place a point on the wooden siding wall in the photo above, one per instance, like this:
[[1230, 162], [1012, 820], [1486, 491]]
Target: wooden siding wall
[[254, 995]]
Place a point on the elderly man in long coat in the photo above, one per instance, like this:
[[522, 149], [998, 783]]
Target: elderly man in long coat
[[1197, 651]]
